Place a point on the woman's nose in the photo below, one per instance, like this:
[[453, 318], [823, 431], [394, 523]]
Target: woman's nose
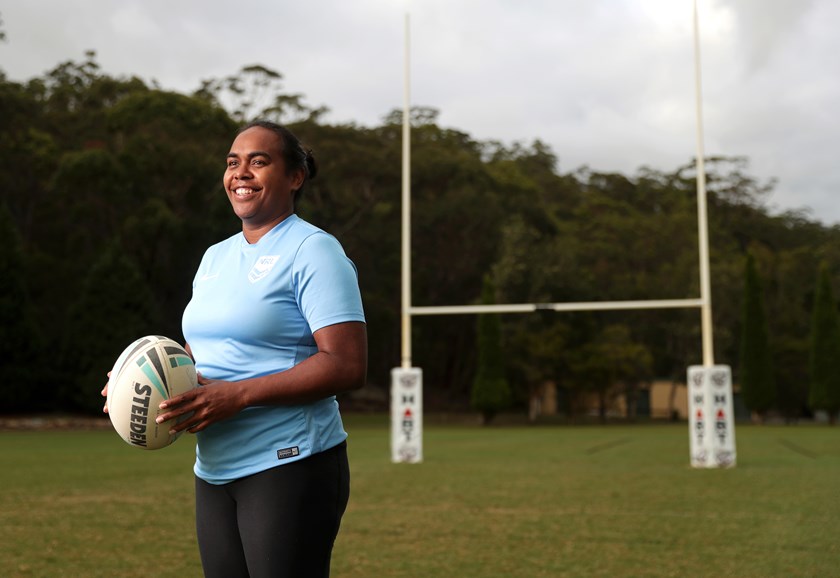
[[242, 172]]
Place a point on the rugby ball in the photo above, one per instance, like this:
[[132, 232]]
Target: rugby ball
[[150, 370]]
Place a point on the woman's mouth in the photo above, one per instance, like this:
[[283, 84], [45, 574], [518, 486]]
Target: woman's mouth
[[243, 191]]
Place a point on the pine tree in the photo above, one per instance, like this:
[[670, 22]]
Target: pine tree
[[758, 383], [824, 363], [490, 389]]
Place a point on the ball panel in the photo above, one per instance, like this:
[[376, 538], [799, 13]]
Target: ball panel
[[127, 354], [149, 371]]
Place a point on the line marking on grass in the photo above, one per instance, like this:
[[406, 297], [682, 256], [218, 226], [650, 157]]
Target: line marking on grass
[[607, 446], [797, 449]]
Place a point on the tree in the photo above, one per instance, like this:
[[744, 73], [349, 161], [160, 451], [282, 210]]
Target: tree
[[417, 116], [107, 160], [613, 358], [255, 92], [824, 363], [758, 383], [19, 336], [73, 97], [490, 390], [114, 308]]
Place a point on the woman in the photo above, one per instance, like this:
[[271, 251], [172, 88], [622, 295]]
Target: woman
[[276, 328]]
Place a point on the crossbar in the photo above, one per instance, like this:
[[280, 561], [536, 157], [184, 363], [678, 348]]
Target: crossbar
[[565, 307]]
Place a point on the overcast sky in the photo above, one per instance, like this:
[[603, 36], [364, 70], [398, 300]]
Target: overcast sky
[[606, 83]]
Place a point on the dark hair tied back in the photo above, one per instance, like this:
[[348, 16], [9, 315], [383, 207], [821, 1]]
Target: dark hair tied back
[[311, 165], [295, 155]]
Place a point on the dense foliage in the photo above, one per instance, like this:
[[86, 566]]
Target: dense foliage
[[758, 382], [824, 391], [111, 191], [490, 389]]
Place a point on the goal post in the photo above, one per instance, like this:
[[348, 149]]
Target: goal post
[[709, 385]]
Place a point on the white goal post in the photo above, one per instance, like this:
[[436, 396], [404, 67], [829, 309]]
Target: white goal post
[[406, 404]]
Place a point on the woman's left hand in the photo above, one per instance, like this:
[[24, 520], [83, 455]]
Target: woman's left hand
[[212, 401]]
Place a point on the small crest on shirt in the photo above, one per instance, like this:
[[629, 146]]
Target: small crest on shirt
[[287, 453], [262, 267]]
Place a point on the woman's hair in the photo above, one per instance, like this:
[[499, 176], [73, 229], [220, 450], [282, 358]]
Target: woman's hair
[[295, 155]]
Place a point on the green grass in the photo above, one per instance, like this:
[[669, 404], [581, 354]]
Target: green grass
[[507, 501]]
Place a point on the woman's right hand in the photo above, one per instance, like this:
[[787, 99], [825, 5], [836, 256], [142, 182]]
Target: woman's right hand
[[104, 393]]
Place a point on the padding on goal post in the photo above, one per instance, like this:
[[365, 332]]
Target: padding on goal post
[[407, 415]]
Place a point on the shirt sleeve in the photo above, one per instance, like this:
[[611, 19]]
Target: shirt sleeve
[[326, 283]]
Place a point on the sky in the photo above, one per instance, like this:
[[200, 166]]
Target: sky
[[608, 84]]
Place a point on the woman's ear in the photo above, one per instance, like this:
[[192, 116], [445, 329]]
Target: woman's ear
[[297, 179]]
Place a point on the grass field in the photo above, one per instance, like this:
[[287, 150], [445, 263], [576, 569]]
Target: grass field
[[589, 501]]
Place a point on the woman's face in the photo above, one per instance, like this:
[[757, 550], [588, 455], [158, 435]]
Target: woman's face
[[259, 190]]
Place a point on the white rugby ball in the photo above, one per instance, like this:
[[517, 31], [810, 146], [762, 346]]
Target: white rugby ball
[[150, 370]]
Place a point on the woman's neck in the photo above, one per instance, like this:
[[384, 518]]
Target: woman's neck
[[254, 232]]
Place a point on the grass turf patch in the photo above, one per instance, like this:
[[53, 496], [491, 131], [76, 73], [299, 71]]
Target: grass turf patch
[[504, 501]]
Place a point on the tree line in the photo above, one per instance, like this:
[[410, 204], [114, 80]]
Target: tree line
[[111, 192]]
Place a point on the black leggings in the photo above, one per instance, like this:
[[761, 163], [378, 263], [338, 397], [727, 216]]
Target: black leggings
[[279, 523]]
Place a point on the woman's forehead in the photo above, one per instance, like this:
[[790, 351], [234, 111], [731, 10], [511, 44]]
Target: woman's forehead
[[257, 138]]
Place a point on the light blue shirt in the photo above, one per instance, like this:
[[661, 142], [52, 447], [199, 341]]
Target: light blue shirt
[[253, 312]]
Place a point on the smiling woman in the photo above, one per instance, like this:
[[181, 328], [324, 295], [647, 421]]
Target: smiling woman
[[276, 328], [266, 171]]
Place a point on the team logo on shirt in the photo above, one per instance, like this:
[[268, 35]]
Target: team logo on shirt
[[262, 267]]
